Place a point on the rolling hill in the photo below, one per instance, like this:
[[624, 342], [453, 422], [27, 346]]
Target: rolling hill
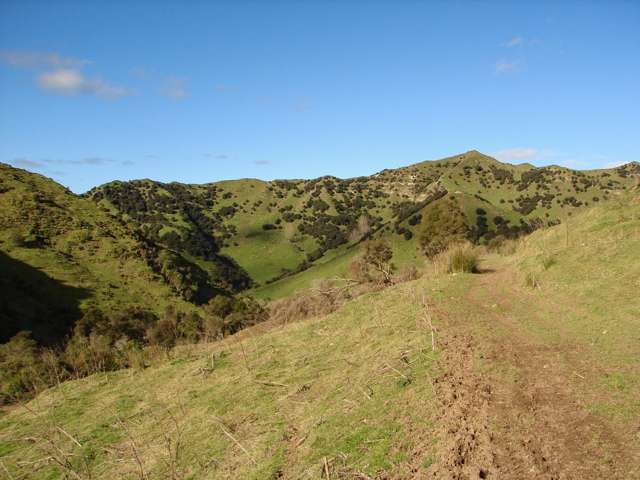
[[62, 254], [526, 370], [275, 229], [150, 244]]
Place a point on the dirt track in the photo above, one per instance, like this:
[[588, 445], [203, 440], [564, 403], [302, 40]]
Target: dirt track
[[525, 418]]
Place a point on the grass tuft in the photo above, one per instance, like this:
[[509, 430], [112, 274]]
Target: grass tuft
[[459, 258]]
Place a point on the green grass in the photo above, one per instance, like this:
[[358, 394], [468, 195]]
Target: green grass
[[264, 254], [353, 388], [329, 402]]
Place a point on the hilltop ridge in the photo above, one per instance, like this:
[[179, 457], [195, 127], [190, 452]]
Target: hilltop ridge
[[152, 244]]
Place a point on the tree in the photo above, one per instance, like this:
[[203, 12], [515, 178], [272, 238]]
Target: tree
[[377, 258]]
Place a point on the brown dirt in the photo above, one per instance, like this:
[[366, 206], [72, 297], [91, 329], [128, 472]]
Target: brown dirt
[[527, 420]]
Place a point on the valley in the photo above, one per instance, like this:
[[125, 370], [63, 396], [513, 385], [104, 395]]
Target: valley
[[246, 330]]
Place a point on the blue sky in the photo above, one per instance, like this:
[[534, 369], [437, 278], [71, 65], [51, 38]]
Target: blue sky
[[204, 91]]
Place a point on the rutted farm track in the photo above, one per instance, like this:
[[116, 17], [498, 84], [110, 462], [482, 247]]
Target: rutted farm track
[[512, 406]]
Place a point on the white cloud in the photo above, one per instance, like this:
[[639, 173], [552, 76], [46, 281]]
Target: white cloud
[[61, 75], [514, 42], [67, 81], [175, 88], [507, 66], [516, 154], [261, 162], [26, 59]]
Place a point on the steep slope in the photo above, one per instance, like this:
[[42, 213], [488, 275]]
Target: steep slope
[[275, 229], [62, 254], [449, 376]]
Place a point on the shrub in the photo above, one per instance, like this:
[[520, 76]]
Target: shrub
[[408, 273], [189, 327], [459, 258], [377, 261], [495, 244], [21, 370], [213, 327], [162, 333], [219, 306], [88, 355], [443, 223], [463, 260]]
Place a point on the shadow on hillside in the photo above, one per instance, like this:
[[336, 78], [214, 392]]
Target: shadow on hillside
[[31, 300]]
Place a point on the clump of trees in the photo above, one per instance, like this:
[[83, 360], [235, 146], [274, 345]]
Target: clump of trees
[[103, 342]]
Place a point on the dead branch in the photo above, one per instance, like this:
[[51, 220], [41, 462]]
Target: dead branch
[[228, 434], [271, 384]]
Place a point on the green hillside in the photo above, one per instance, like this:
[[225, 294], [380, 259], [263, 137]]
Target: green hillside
[[275, 229], [526, 370], [148, 244], [62, 254]]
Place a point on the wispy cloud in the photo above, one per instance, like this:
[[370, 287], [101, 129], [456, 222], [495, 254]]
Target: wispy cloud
[[301, 106], [67, 81], [49, 165], [516, 154], [504, 66], [175, 88], [514, 42], [221, 87], [26, 163], [87, 161], [261, 162], [62, 75], [28, 59], [217, 156]]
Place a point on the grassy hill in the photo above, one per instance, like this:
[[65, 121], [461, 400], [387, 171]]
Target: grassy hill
[[275, 229], [151, 244], [526, 370], [62, 254]]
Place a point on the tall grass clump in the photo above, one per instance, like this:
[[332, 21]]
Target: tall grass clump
[[458, 258]]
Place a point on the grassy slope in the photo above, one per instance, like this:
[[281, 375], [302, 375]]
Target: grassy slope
[[263, 254], [355, 388], [84, 248]]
